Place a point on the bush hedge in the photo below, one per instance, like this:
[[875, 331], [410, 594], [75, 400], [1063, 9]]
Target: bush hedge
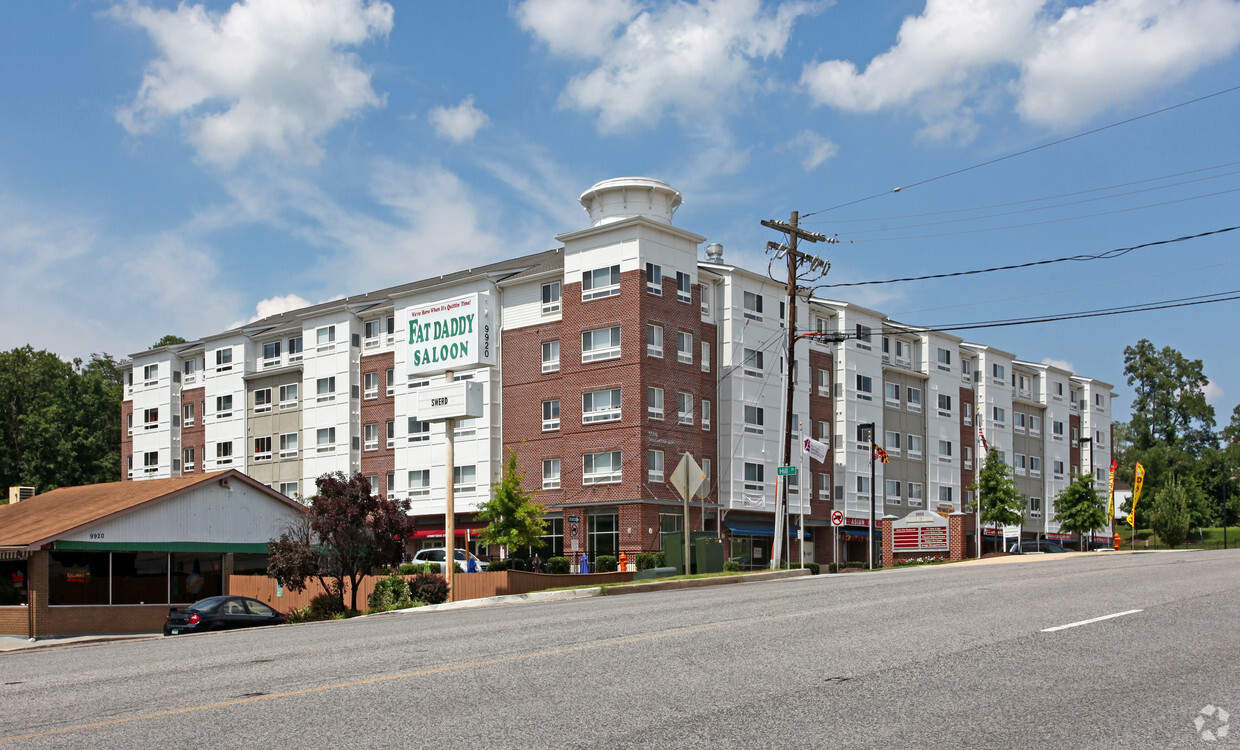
[[731, 566], [606, 564], [428, 588], [559, 565]]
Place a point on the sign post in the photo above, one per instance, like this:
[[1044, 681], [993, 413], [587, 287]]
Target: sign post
[[686, 480], [837, 520]]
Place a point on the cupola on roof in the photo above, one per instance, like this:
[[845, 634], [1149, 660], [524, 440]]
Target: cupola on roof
[[625, 197]]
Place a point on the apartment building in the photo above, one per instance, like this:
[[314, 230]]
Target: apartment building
[[607, 359]]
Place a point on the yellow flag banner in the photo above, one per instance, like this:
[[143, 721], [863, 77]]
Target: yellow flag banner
[[1111, 493], [1137, 481]]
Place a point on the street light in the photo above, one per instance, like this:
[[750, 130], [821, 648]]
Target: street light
[[1090, 455], [870, 428]]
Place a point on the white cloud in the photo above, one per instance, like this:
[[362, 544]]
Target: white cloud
[[460, 123], [1213, 392], [813, 148], [691, 60], [1062, 364], [959, 58], [269, 75], [274, 306]]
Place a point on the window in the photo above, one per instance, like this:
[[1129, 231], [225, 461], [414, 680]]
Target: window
[[863, 485], [944, 359], [1035, 507], [188, 453], [326, 388], [893, 491], [262, 448], [223, 359], [998, 415], [654, 340], [192, 366], [391, 437], [1057, 430], [288, 445], [891, 442], [223, 452], [223, 406], [370, 384], [391, 381], [824, 486], [150, 373], [891, 394], [683, 291], [945, 448], [1018, 422], [684, 409], [600, 468], [370, 436], [419, 483], [1035, 466], [150, 418], [863, 434], [684, 347], [288, 395], [464, 427], [824, 383], [551, 298], [754, 420], [464, 479], [705, 414], [294, 349], [967, 458], [654, 403], [705, 356], [915, 493], [1019, 464], [998, 372], [601, 343], [326, 439], [752, 363], [551, 474], [654, 279], [863, 333], [370, 332], [288, 489], [914, 399], [1035, 425], [752, 306], [550, 356], [966, 413], [262, 400], [865, 387], [603, 534], [824, 433], [601, 282], [150, 459], [551, 414], [914, 446], [945, 404], [600, 406], [325, 336], [755, 477], [945, 495], [654, 469]]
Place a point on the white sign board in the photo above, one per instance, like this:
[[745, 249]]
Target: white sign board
[[453, 334], [459, 400]]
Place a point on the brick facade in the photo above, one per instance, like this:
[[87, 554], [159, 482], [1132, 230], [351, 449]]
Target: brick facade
[[195, 435], [379, 409]]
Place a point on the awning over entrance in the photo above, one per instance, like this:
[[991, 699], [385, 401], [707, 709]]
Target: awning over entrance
[[864, 533], [758, 528], [472, 528]]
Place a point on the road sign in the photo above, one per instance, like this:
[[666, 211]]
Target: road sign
[[837, 518], [687, 477], [786, 471]]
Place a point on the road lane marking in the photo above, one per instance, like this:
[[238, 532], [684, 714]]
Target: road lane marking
[[1091, 620]]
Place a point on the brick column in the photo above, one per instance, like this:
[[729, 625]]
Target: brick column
[[955, 536], [36, 596], [889, 557]]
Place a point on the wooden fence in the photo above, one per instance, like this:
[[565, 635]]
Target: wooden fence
[[466, 586]]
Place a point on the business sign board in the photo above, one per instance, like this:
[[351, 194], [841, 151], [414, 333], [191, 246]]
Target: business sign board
[[920, 531], [459, 400], [453, 334]]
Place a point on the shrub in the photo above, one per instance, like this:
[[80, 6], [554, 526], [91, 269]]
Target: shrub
[[731, 566], [559, 565], [835, 567], [324, 606], [813, 568], [516, 563], [390, 593], [428, 588], [645, 560], [605, 564], [660, 560], [301, 614], [496, 566]]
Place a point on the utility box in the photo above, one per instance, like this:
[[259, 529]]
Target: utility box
[[706, 551]]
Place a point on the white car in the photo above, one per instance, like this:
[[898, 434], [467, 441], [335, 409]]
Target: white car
[[438, 554]]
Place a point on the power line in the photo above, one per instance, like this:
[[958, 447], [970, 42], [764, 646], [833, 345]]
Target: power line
[[1107, 255], [1025, 151]]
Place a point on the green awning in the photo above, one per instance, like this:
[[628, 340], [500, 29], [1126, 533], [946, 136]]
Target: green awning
[[220, 547]]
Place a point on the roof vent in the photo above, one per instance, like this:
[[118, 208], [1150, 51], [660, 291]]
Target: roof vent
[[17, 494], [626, 197], [714, 252]]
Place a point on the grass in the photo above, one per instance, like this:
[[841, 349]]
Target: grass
[[1203, 538]]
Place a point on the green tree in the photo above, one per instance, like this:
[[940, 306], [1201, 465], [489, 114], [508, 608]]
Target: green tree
[[512, 514], [1080, 509], [995, 491], [1170, 518], [168, 340]]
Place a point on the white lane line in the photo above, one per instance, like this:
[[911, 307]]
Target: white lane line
[[1091, 620]]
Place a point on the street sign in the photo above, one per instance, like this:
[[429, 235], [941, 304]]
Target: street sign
[[837, 518], [786, 471], [687, 477]]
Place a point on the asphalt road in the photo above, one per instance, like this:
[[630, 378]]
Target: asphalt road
[[948, 656]]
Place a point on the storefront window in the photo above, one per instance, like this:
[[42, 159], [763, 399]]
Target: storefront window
[[553, 540], [196, 576], [139, 577], [669, 523], [77, 578], [12, 583], [604, 535], [249, 564]]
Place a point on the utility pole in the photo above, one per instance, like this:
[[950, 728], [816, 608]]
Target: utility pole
[[794, 258]]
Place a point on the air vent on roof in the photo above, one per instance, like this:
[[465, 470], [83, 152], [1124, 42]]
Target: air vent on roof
[[17, 494]]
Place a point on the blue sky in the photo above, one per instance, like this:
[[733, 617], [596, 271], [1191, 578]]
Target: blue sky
[[178, 169]]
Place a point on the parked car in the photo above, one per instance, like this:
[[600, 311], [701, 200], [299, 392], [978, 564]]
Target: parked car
[[221, 613], [1036, 545], [437, 555]]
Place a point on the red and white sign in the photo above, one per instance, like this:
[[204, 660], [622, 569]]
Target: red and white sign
[[920, 531], [837, 518], [850, 521]]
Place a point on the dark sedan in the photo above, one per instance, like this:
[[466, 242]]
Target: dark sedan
[[221, 613]]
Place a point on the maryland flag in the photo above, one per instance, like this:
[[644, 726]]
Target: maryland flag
[[1137, 480], [982, 436], [1111, 493], [879, 453]]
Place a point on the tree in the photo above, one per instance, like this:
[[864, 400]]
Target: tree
[[168, 340], [1170, 404], [995, 490], [1170, 518], [512, 515], [1080, 509], [350, 533]]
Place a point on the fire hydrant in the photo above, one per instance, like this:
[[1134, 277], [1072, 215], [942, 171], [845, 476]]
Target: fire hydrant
[[624, 562], [1117, 541]]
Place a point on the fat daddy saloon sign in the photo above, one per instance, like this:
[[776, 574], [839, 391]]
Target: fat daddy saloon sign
[[453, 334]]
